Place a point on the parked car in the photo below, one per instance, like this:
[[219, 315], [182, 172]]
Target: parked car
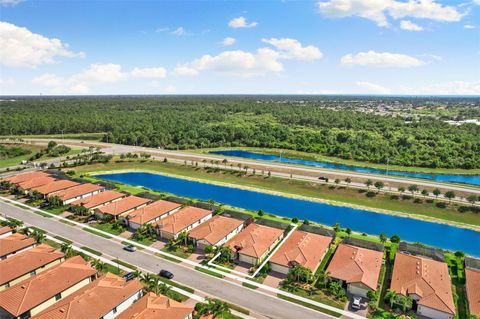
[[356, 303], [90, 219], [130, 248], [44, 204], [129, 276], [165, 274], [323, 178]]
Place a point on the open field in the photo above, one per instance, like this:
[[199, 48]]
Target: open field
[[294, 187], [12, 161]]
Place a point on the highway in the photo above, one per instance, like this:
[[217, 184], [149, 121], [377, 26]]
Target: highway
[[257, 301]]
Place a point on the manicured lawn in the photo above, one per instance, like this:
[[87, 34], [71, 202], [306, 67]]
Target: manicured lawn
[[295, 187], [90, 250], [107, 227], [334, 314], [55, 210], [96, 233], [13, 161], [179, 251], [144, 241], [208, 272]]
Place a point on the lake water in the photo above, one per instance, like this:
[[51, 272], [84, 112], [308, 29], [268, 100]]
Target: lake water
[[467, 179], [439, 235]]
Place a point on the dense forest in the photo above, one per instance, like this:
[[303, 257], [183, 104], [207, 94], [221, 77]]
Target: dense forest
[[312, 124]]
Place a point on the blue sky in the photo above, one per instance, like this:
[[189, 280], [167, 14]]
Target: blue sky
[[247, 47]]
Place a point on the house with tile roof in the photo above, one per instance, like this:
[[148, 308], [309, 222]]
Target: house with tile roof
[[151, 213], [28, 263], [254, 242], [427, 282], [14, 244], [152, 306], [55, 186], [35, 294], [5, 231], [35, 182], [472, 283], [99, 200], [77, 192], [356, 268], [105, 297], [19, 178], [301, 248], [121, 208], [182, 220], [215, 231]]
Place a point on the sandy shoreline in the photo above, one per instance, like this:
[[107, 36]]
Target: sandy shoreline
[[312, 199]]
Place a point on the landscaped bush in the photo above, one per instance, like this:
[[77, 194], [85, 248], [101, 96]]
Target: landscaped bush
[[370, 194], [441, 205]]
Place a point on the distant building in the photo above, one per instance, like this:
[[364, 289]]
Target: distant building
[[77, 192], [183, 220], [120, 208], [215, 231], [151, 213], [55, 186], [99, 200]]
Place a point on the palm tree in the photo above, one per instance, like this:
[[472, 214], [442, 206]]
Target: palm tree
[[324, 278], [67, 250], [137, 273], [390, 297], [382, 237], [38, 236], [183, 237], [436, 192], [369, 183], [146, 278], [450, 195], [100, 266], [219, 308], [413, 188], [12, 223]]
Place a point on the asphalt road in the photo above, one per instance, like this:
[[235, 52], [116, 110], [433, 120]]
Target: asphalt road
[[256, 301], [268, 166]]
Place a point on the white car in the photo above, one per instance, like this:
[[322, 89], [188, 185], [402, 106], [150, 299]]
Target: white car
[[356, 302]]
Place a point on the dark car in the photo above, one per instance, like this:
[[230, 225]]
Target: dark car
[[323, 178], [90, 219], [44, 204], [130, 248], [129, 276], [165, 274]]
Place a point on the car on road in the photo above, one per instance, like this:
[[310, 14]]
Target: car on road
[[129, 276], [165, 274], [130, 248], [356, 303], [323, 178]]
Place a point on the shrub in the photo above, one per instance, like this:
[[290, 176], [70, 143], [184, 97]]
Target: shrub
[[370, 194], [417, 201], [394, 197], [441, 205]]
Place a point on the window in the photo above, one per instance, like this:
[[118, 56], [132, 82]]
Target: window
[[58, 296]]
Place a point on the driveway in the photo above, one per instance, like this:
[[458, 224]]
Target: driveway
[[274, 279], [197, 256], [363, 311]]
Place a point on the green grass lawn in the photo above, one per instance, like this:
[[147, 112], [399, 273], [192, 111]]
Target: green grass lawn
[[96, 233], [144, 241], [13, 161], [295, 187], [209, 272], [320, 309], [107, 227], [178, 251]]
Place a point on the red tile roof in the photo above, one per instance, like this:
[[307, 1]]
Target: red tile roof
[[35, 290], [254, 240], [302, 248], [25, 177], [427, 278], [181, 219], [14, 242], [152, 306], [215, 229], [93, 301], [356, 265], [99, 199], [473, 290], [124, 205], [27, 261], [36, 182], [152, 211], [78, 190], [55, 186], [5, 229]]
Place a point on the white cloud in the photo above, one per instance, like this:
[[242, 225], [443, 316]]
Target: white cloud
[[179, 31], [7, 81], [293, 49], [102, 73], [170, 89], [380, 59], [410, 26], [373, 88], [241, 22], [229, 41], [163, 29], [10, 2], [451, 88], [22, 48], [470, 26], [149, 72], [379, 10], [48, 79], [185, 70]]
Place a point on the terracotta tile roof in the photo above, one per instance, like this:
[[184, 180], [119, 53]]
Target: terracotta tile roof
[[25, 177], [427, 278], [36, 182], [5, 229], [78, 190], [152, 306], [152, 211], [356, 265], [14, 242], [93, 301], [37, 289], [123, 205], [27, 261], [473, 290], [215, 229], [254, 240], [302, 248], [181, 219], [99, 199], [55, 186]]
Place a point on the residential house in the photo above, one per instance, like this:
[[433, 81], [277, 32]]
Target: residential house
[[301, 248], [215, 231], [182, 221], [254, 242], [151, 213], [77, 192], [15, 243], [356, 267], [55, 186], [35, 294], [35, 182], [122, 207], [472, 284], [5, 231], [427, 282], [19, 178], [99, 200], [28, 263], [152, 306], [106, 298]]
